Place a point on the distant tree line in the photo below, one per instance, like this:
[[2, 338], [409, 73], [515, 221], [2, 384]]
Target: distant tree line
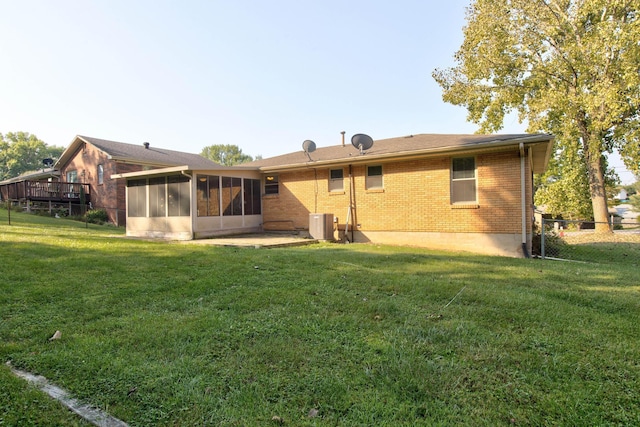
[[227, 154], [22, 152]]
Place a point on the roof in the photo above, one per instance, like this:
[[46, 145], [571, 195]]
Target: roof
[[32, 175], [137, 154], [411, 146]]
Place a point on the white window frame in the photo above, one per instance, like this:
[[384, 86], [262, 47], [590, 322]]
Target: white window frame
[[72, 176], [374, 182], [336, 184], [459, 181], [271, 182]]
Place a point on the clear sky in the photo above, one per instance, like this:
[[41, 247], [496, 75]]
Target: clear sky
[[262, 75]]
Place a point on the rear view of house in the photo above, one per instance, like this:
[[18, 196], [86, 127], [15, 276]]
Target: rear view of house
[[454, 192], [81, 179], [92, 161]]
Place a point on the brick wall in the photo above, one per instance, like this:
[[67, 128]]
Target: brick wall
[[415, 197], [110, 195]]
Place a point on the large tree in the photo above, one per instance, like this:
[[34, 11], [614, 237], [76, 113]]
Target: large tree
[[564, 188], [21, 152], [225, 154], [568, 67]]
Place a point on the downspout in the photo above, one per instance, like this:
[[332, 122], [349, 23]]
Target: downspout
[[523, 202], [351, 210]]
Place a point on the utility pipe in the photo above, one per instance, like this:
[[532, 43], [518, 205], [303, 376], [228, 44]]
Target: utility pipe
[[523, 201]]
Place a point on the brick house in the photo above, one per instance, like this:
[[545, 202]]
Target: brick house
[[455, 192], [92, 161], [462, 192]]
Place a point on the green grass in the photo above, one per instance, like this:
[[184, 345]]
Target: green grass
[[174, 334]]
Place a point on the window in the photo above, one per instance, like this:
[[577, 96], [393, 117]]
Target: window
[[100, 174], [463, 180], [157, 197], [178, 192], [208, 195], [72, 176], [271, 184], [231, 196], [137, 197], [252, 197], [374, 178], [336, 180]]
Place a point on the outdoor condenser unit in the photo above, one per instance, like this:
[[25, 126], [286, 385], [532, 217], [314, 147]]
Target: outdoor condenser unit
[[321, 226]]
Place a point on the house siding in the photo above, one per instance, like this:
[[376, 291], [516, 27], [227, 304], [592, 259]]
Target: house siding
[[414, 205]]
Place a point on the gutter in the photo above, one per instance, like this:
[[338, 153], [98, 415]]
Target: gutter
[[151, 172]]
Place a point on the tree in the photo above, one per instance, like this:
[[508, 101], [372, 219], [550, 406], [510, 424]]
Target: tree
[[568, 67], [563, 189], [227, 155], [21, 152], [634, 195]]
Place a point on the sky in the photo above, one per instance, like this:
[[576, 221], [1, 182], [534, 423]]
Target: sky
[[262, 75]]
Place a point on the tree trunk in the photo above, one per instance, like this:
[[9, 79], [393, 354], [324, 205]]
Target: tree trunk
[[595, 172]]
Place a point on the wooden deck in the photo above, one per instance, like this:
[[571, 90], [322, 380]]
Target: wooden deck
[[43, 191]]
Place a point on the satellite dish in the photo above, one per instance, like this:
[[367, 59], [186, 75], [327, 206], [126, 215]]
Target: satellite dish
[[47, 162], [362, 142], [309, 146]]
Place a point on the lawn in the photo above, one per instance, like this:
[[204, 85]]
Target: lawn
[[325, 335]]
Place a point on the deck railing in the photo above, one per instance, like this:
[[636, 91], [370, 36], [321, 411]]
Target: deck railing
[[58, 191]]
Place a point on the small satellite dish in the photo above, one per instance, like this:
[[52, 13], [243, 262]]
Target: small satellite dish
[[362, 142], [309, 146], [47, 162]]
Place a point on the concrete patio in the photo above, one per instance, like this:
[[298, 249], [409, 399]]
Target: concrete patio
[[255, 240]]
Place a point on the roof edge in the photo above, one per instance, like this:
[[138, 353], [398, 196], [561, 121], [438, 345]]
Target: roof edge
[[497, 144]]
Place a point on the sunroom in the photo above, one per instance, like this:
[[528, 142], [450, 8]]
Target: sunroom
[[181, 203]]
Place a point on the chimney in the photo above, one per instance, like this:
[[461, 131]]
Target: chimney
[[146, 145], [343, 132]]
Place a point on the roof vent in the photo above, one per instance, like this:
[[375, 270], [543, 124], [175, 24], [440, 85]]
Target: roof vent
[[146, 145]]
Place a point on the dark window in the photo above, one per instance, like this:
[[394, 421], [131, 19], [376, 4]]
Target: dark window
[[374, 177], [179, 195], [463, 180], [271, 184], [157, 197], [231, 196], [208, 195], [252, 197], [137, 197], [336, 180]]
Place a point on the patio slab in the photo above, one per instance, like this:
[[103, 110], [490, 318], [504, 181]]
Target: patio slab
[[255, 240]]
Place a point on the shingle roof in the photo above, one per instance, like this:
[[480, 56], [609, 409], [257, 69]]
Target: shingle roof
[[32, 175], [160, 156], [397, 147], [137, 153]]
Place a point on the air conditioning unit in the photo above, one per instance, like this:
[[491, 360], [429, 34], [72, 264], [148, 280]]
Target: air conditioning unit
[[321, 226]]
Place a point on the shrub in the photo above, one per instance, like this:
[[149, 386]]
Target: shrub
[[97, 216]]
